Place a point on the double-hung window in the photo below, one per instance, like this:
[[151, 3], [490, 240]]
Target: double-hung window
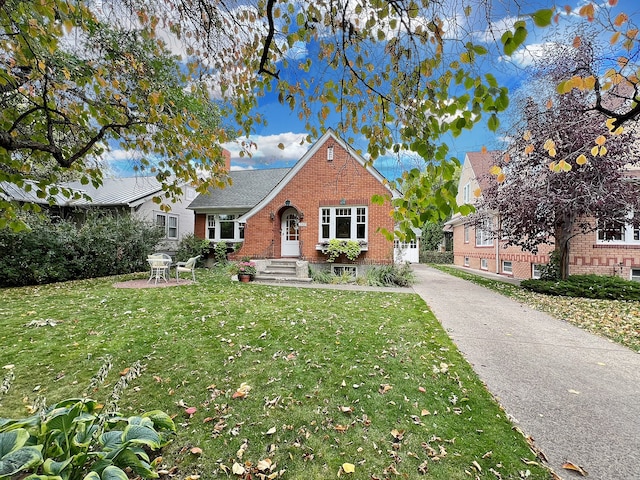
[[618, 232], [484, 238], [345, 223], [169, 223]]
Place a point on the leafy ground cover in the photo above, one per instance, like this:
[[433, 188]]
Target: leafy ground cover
[[265, 382], [614, 319]]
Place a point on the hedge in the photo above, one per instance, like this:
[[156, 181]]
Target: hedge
[[55, 251]]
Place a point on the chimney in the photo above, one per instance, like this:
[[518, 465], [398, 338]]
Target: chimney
[[227, 159]]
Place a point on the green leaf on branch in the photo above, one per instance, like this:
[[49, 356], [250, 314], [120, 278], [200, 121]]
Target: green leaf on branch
[[542, 18]]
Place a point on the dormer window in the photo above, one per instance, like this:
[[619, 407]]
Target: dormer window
[[330, 153]]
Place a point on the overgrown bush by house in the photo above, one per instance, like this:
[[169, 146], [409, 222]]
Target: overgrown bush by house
[[587, 286], [440, 258], [192, 246], [59, 251]]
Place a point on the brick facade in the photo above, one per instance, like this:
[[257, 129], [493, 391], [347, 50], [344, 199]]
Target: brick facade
[[586, 256], [319, 182]]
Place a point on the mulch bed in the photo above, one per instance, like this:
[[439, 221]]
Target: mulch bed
[[143, 283]]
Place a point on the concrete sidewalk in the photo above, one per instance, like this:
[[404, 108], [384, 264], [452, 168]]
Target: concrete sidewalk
[[576, 394]]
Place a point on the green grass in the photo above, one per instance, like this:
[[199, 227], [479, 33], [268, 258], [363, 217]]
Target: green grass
[[336, 377]]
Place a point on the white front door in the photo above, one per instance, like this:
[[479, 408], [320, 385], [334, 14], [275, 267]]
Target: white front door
[[290, 234]]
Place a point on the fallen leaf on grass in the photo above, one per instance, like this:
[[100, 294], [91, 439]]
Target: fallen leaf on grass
[[575, 468], [190, 411], [196, 451], [384, 388], [348, 468], [264, 465], [271, 431], [242, 391], [237, 469]]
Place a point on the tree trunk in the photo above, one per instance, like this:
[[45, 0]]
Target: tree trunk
[[563, 234]]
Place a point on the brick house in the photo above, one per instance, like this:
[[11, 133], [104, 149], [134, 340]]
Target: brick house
[[604, 252], [294, 212]]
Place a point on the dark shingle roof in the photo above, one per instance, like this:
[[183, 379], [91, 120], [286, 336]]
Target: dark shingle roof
[[246, 191]]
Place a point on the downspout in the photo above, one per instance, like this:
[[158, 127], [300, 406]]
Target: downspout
[[498, 236]]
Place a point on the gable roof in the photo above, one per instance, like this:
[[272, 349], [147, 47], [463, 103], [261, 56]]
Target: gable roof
[[129, 191], [247, 189], [329, 134], [481, 163], [10, 191]]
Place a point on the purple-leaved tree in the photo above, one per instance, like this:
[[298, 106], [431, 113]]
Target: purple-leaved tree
[[560, 175]]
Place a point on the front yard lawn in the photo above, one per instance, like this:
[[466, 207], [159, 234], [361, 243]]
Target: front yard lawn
[[267, 381]]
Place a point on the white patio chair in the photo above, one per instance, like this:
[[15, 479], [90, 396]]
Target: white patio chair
[[185, 267], [159, 263]]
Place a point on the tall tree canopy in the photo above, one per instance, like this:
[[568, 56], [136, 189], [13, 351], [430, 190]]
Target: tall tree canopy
[[73, 83], [563, 173], [79, 77]]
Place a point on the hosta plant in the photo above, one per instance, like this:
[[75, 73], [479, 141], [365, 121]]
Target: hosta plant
[[75, 440]]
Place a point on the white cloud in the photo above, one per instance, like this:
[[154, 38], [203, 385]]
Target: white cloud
[[262, 150], [528, 55]]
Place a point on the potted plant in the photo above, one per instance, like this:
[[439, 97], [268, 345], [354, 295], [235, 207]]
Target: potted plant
[[246, 270]]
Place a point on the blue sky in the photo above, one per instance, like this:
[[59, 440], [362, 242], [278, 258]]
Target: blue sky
[[283, 125]]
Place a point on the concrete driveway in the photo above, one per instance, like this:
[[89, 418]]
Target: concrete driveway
[[576, 394]]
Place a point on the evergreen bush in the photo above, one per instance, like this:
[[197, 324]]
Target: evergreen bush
[[587, 286]]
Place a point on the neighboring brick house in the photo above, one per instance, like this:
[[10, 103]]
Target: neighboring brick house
[[294, 212], [604, 252]]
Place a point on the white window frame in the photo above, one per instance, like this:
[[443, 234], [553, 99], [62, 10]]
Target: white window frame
[[466, 193], [359, 217], [634, 274], [484, 264], [628, 235], [484, 237], [507, 267], [536, 270], [169, 223], [215, 223], [466, 262], [467, 229], [339, 270]]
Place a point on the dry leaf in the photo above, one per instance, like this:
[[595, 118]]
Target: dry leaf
[[384, 388], [242, 391], [196, 451], [575, 468], [237, 469], [264, 465], [271, 431], [348, 468]]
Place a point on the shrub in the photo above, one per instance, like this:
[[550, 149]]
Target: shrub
[[390, 275], [439, 258], [192, 246], [220, 252], [59, 251], [587, 286]]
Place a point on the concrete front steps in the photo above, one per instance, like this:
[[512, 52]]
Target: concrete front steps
[[282, 270]]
